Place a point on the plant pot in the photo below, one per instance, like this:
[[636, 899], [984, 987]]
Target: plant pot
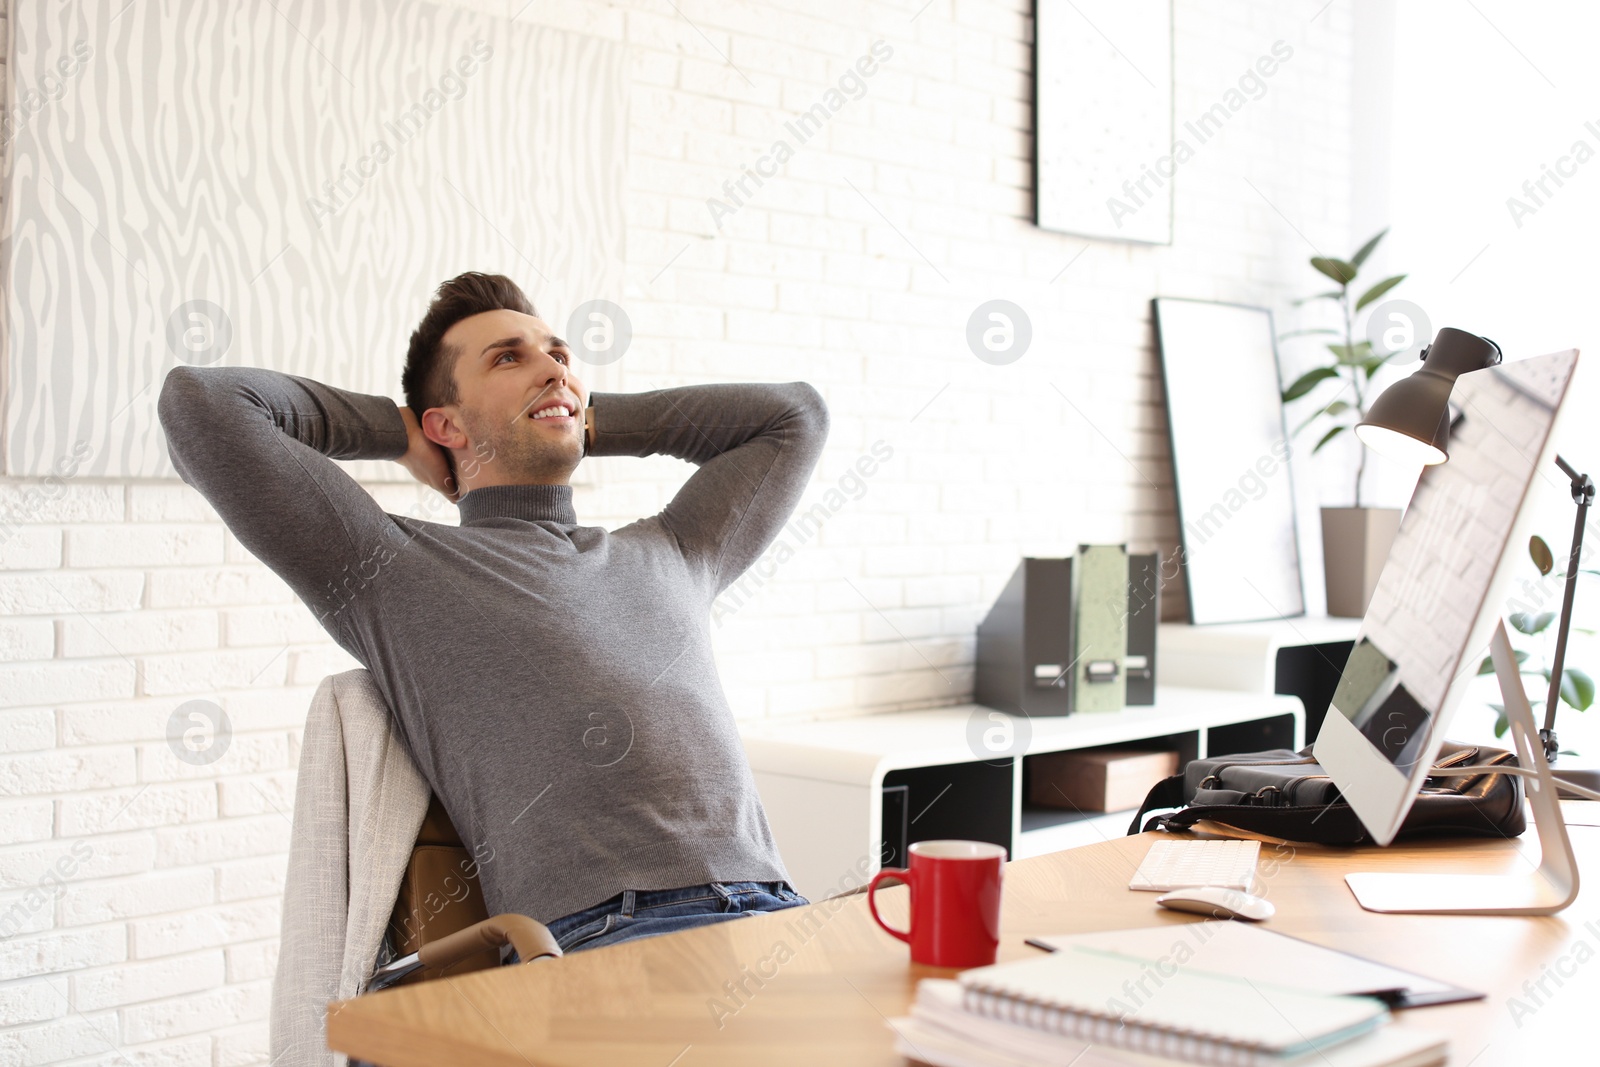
[[1355, 546]]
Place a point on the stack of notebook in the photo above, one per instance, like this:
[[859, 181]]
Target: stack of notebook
[[1090, 1007]]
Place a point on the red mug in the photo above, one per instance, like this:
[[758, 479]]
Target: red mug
[[955, 902]]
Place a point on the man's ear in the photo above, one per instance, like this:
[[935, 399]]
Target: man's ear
[[439, 427]]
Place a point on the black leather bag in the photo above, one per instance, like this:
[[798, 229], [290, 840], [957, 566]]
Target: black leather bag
[[1288, 795]]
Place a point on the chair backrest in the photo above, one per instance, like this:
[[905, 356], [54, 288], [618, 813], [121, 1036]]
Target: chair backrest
[[439, 895]]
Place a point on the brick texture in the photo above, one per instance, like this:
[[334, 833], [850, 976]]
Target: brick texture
[[140, 895]]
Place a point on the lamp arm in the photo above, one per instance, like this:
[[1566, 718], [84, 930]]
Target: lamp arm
[[1500, 768], [1583, 496]]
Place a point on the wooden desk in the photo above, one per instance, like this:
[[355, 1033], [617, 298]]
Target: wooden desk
[[821, 991]]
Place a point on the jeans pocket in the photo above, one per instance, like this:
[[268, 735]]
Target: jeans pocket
[[752, 897], [582, 935]]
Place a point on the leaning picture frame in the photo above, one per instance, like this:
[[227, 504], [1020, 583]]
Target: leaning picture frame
[[1238, 531]]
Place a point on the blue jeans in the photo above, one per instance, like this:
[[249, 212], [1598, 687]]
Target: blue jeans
[[636, 913]]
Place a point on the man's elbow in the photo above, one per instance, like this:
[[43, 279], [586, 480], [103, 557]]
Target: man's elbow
[[182, 411], [811, 410], [180, 392]]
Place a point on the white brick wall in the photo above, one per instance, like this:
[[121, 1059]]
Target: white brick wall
[[119, 601]]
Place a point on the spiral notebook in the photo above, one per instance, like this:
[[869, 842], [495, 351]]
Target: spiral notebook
[[1104, 997], [939, 1033], [1223, 946]]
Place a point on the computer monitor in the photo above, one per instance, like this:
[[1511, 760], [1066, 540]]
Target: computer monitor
[[1443, 590]]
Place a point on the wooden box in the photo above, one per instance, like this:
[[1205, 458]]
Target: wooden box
[[1096, 779]]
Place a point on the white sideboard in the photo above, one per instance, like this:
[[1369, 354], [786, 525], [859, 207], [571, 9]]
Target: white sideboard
[[1241, 655], [822, 781], [1303, 656]]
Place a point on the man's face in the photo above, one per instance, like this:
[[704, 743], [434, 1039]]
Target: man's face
[[520, 417]]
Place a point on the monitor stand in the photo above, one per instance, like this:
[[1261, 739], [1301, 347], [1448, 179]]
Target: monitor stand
[[1541, 892]]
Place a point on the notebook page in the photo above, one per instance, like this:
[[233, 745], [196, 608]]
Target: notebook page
[[1171, 998], [1234, 948]]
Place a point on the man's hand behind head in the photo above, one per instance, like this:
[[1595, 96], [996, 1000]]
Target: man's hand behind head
[[428, 463]]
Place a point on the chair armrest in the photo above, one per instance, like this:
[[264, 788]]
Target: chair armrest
[[530, 938]]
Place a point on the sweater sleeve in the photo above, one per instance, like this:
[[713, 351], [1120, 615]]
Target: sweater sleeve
[[259, 445], [755, 445]]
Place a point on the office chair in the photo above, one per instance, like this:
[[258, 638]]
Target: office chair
[[379, 888], [440, 925]]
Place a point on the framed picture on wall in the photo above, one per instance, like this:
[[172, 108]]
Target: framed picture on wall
[[212, 185], [1102, 118], [1230, 461]]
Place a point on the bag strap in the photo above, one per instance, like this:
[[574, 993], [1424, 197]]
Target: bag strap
[[1167, 793], [1326, 824]]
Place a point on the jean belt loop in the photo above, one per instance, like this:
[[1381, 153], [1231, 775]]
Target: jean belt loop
[[627, 903], [721, 889]]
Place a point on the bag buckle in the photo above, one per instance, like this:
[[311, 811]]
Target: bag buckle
[[1260, 796]]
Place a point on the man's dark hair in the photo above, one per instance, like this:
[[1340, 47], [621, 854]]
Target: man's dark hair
[[429, 379]]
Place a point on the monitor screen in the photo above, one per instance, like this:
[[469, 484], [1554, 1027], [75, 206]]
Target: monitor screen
[[1434, 608]]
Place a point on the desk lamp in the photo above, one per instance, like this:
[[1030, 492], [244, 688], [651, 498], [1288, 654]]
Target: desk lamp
[[1410, 421]]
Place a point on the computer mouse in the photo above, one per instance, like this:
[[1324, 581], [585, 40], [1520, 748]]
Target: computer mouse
[[1218, 902]]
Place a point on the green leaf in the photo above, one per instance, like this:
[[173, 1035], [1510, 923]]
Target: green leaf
[[1307, 333], [1577, 689], [1352, 355], [1330, 435], [1317, 414], [1337, 269], [1372, 363], [1338, 407], [1531, 624], [1366, 250], [1378, 290], [1335, 295], [1540, 554], [1308, 381], [1487, 666]]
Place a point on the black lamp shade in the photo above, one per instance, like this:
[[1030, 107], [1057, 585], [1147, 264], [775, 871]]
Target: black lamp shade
[[1411, 419]]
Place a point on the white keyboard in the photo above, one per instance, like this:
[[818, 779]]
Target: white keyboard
[[1182, 864]]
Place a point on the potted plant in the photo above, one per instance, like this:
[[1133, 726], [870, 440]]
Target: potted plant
[[1577, 686], [1355, 539]]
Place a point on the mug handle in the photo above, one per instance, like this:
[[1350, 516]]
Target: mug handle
[[900, 875]]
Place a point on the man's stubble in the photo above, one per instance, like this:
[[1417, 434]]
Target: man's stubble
[[525, 454]]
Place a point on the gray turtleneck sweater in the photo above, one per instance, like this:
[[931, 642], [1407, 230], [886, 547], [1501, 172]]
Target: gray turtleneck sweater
[[553, 682]]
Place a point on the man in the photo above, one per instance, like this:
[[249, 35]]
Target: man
[[553, 682]]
